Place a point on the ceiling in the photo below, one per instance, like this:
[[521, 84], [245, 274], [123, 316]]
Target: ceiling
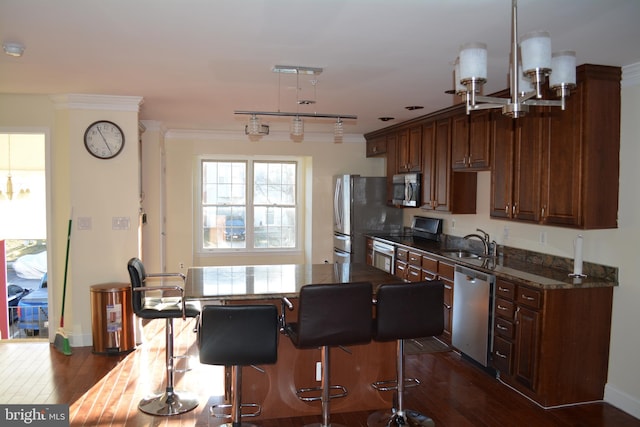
[[196, 61]]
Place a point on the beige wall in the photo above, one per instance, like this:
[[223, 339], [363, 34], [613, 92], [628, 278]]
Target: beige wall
[[322, 160], [96, 189], [100, 255]]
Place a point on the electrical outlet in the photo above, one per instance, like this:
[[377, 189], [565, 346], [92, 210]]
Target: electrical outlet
[[453, 224], [543, 238], [181, 265], [505, 233], [318, 371]]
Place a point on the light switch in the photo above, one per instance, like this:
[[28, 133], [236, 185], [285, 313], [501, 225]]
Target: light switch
[[84, 223], [120, 223]]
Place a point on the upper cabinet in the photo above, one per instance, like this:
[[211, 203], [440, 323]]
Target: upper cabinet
[[551, 167], [471, 141], [409, 150], [559, 167], [442, 188], [377, 146]]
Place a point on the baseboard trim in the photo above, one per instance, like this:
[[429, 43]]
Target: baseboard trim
[[622, 400]]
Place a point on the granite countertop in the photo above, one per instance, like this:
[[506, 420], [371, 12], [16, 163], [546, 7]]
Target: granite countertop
[[526, 267]]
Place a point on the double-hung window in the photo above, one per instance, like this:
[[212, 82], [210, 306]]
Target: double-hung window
[[249, 204]]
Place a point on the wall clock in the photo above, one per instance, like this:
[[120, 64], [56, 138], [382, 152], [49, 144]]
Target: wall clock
[[104, 139]]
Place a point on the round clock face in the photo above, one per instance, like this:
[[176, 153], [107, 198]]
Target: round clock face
[[104, 139]]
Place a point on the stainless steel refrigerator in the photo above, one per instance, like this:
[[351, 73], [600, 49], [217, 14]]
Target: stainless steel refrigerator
[[359, 208]]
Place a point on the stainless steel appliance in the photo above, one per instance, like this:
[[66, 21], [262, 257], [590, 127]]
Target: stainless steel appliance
[[472, 333], [384, 256], [359, 208], [406, 189]]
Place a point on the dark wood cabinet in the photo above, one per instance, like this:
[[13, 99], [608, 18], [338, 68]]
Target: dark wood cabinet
[[409, 150], [582, 157], [471, 141], [445, 274], [532, 327], [442, 189], [391, 140], [369, 246], [377, 146], [558, 167], [517, 159]]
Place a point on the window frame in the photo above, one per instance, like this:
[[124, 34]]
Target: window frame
[[249, 214]]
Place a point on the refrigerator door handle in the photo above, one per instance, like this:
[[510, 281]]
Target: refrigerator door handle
[[336, 205]]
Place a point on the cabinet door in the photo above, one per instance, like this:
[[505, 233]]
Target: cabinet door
[[369, 251], [428, 164], [526, 347], [502, 154], [377, 146], [415, 149], [530, 133], [442, 163], [460, 141], [562, 162], [448, 309], [479, 140], [410, 150], [391, 165], [402, 150]]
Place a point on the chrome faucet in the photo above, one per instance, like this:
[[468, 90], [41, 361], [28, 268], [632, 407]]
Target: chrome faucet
[[485, 239]]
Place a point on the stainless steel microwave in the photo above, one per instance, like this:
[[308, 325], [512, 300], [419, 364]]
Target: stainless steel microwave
[[406, 189]]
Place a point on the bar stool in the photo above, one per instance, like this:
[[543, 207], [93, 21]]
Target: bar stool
[[329, 315], [237, 336], [169, 402], [405, 311]]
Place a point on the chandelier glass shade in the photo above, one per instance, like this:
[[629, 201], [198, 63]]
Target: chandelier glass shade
[[531, 62]]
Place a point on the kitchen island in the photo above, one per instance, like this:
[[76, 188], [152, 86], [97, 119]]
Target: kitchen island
[[275, 389]]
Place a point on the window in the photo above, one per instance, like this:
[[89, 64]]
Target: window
[[249, 205]]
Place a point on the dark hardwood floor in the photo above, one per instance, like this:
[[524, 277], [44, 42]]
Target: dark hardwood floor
[[105, 390]]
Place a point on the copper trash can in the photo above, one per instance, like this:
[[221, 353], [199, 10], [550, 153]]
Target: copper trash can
[[112, 318]]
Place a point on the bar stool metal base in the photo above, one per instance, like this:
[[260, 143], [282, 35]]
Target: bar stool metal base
[[168, 403], [392, 418]]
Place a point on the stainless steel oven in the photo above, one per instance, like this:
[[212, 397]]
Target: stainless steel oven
[[384, 256]]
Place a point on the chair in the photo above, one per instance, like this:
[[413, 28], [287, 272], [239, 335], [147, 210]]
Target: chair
[[331, 315], [405, 311], [169, 402], [237, 336]]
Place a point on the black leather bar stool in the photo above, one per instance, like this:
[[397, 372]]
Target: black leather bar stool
[[405, 311], [329, 315], [237, 336], [169, 402]]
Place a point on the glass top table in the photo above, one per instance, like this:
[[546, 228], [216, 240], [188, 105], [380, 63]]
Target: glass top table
[[274, 281]]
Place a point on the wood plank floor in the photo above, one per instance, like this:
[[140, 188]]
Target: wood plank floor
[[105, 390]]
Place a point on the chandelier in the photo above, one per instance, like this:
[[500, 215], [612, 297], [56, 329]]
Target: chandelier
[[530, 63], [256, 128]]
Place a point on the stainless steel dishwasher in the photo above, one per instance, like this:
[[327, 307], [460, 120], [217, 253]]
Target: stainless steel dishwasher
[[472, 332]]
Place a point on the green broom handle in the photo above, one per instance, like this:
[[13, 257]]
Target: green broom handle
[[66, 263]]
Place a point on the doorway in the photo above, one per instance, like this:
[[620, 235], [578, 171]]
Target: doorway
[[23, 234]]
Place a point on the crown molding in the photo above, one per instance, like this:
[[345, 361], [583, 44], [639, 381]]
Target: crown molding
[[631, 75], [76, 101]]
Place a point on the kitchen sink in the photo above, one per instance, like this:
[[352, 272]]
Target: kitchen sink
[[460, 254]]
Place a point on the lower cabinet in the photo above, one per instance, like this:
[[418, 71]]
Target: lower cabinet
[[552, 344], [445, 274], [415, 266]]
